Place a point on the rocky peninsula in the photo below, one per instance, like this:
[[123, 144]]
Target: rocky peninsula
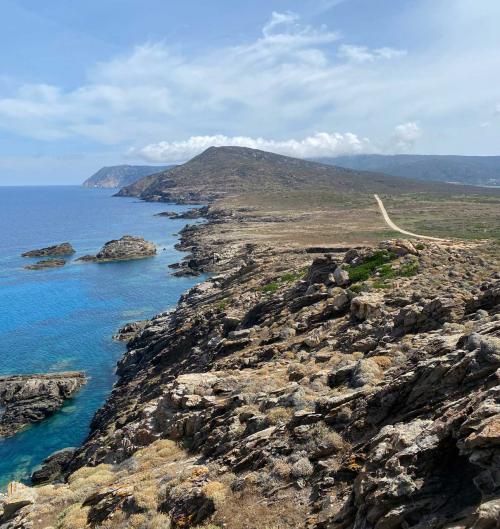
[[27, 399], [124, 249], [62, 249]]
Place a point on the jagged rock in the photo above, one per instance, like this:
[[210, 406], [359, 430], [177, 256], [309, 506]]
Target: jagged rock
[[14, 506], [366, 307], [64, 248], [341, 276], [430, 315], [53, 467], [399, 247], [105, 502], [188, 505], [27, 399], [321, 268], [124, 249], [129, 331], [46, 263], [340, 299]]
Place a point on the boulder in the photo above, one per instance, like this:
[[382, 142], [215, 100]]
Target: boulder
[[341, 276], [366, 306]]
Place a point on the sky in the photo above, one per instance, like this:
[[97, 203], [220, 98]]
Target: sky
[[90, 83]]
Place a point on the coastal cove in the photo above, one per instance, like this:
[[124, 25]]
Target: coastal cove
[[63, 319]]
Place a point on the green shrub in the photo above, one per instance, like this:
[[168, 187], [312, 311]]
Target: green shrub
[[409, 269], [363, 271]]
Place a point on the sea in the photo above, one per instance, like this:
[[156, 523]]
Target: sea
[[63, 319]]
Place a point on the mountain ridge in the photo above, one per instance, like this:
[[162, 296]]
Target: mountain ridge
[[470, 170], [221, 171]]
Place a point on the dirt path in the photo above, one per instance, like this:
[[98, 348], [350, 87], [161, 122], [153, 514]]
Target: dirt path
[[393, 226]]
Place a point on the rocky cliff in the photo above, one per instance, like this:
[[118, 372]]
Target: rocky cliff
[[342, 387]]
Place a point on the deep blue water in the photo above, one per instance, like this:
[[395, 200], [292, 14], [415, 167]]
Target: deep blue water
[[63, 319]]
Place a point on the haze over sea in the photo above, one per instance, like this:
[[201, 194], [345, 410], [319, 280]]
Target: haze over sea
[[63, 319]]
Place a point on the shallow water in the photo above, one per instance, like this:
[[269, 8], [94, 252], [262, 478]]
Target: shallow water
[[63, 319]]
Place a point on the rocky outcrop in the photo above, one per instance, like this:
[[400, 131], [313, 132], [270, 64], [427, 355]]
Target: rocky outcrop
[[64, 248], [15, 506], [195, 213], [46, 263], [53, 467], [275, 395], [124, 249], [27, 399]]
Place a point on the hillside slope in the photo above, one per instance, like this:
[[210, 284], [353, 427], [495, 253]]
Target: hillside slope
[[221, 171], [121, 175], [473, 170]]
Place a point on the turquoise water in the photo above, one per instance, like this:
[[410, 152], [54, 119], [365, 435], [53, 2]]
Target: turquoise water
[[63, 319]]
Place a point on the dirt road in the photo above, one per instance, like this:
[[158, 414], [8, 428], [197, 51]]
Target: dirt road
[[393, 226]]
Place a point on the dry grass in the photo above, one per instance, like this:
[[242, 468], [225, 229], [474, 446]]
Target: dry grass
[[279, 415]]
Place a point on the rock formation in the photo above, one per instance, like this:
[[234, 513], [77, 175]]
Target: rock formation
[[124, 249], [64, 248], [46, 263], [27, 399]]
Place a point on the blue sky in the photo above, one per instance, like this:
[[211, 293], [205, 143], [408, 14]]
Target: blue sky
[[86, 84]]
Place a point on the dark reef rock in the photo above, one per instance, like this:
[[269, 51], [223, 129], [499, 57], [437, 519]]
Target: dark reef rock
[[124, 249], [53, 467], [27, 399], [46, 263], [64, 248]]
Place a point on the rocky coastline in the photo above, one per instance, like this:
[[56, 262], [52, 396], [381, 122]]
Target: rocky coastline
[[329, 388], [27, 399]]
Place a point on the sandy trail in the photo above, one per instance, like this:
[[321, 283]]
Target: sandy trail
[[393, 226]]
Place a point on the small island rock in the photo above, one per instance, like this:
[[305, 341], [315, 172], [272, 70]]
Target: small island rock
[[64, 248], [124, 249], [46, 263]]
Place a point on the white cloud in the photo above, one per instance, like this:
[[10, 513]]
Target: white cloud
[[362, 54], [293, 79], [405, 135], [318, 145]]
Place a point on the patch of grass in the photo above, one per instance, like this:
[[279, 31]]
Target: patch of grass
[[378, 284], [386, 271], [358, 288], [365, 270], [270, 287], [419, 246], [408, 269], [289, 277], [222, 305]]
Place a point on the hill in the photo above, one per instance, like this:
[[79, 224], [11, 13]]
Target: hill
[[121, 175], [222, 171], [472, 170]]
